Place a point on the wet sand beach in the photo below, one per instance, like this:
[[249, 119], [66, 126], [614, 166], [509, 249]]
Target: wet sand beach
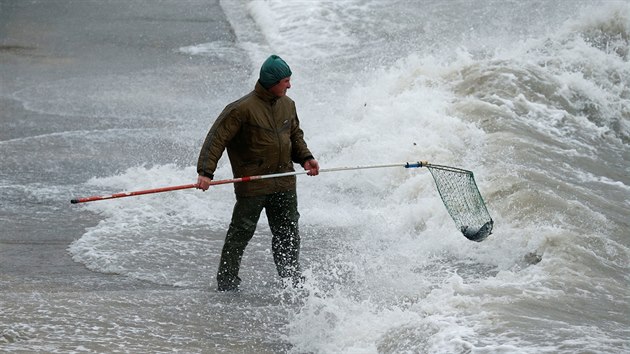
[[48, 41], [65, 68]]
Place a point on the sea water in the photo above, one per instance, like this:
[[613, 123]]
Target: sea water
[[532, 96]]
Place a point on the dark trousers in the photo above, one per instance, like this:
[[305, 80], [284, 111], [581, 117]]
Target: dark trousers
[[282, 213]]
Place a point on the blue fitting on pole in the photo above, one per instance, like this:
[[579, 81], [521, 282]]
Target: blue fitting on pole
[[417, 164]]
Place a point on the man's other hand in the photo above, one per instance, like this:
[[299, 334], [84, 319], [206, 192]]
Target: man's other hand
[[312, 166], [203, 183]]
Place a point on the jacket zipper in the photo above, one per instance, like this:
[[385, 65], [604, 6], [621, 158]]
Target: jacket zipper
[[275, 128]]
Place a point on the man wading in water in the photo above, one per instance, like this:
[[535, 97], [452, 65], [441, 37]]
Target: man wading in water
[[262, 135]]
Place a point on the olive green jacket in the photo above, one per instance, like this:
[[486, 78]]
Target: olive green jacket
[[262, 135]]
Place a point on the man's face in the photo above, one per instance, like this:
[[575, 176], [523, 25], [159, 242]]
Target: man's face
[[280, 89]]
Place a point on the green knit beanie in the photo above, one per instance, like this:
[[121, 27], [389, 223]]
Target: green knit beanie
[[273, 70]]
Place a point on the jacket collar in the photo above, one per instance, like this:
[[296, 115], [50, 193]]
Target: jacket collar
[[264, 94]]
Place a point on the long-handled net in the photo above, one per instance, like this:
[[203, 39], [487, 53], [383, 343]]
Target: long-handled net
[[463, 201], [456, 187]]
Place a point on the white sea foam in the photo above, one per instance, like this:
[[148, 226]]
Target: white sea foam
[[406, 110]]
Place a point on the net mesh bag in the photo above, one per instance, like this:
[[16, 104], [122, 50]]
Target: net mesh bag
[[463, 201]]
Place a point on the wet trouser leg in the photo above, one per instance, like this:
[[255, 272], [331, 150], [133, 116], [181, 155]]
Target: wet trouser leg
[[283, 216], [282, 213], [242, 226]]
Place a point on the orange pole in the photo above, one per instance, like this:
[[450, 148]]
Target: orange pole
[[240, 179]]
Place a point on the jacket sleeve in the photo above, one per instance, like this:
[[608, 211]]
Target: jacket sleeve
[[299, 150], [222, 131]]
